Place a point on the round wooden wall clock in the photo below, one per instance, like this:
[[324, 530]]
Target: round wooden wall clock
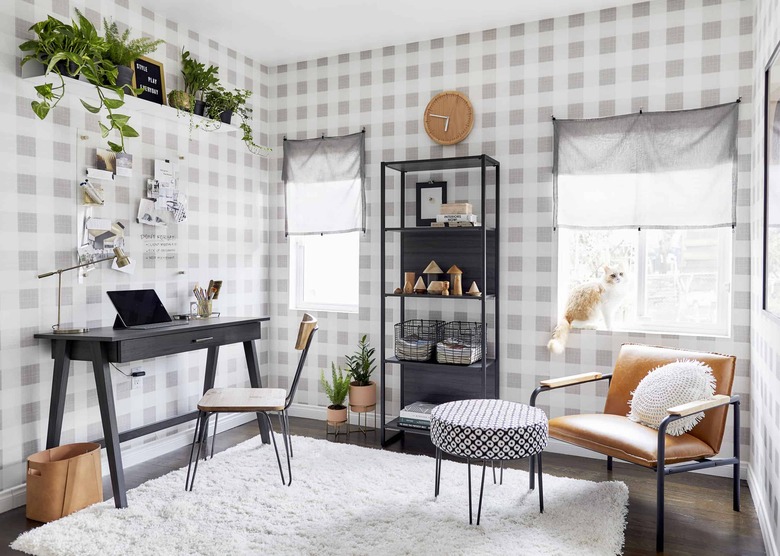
[[449, 117]]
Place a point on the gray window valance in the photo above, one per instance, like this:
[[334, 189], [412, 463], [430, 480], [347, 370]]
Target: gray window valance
[[647, 170], [324, 185]]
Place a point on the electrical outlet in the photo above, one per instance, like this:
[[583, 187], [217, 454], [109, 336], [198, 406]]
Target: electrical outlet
[[136, 382]]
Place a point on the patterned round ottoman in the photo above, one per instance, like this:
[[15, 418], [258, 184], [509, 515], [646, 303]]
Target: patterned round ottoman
[[488, 430]]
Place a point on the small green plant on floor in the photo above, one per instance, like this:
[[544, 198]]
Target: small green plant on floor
[[338, 388], [361, 364]]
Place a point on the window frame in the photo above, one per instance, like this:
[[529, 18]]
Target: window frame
[[643, 325]]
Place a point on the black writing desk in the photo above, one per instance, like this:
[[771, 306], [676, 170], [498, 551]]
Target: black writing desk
[[102, 346]]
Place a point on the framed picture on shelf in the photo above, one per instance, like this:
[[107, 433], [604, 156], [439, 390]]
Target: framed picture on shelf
[[772, 186], [431, 195], [149, 76]]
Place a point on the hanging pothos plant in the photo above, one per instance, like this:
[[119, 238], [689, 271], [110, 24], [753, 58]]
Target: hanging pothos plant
[[74, 50]]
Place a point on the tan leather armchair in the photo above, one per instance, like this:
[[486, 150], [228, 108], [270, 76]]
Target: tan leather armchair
[[611, 433]]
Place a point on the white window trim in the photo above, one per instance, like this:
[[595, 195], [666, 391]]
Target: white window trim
[[720, 330]]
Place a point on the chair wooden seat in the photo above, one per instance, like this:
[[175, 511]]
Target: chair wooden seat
[[238, 400], [619, 437]]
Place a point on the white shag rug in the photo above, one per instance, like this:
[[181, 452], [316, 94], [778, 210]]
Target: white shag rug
[[343, 500]]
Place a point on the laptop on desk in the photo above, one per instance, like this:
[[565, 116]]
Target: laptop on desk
[[141, 310]]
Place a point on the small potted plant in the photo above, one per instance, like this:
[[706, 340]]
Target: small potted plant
[[123, 51], [198, 79], [77, 50], [362, 390], [337, 391], [222, 104]]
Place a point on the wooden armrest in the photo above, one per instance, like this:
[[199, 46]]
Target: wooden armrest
[[701, 405], [569, 380]]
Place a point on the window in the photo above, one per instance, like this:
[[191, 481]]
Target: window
[[324, 272], [679, 281]]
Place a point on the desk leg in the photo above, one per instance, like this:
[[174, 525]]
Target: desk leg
[[105, 393], [212, 355], [59, 387], [250, 351]]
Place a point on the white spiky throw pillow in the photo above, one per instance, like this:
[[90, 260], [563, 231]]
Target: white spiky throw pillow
[[670, 385]]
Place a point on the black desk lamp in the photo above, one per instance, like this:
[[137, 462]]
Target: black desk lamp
[[122, 260]]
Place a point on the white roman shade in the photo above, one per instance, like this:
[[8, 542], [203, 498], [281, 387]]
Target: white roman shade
[[647, 170], [323, 182]]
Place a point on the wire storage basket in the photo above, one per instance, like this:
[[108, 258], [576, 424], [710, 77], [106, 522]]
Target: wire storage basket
[[416, 339], [461, 343]]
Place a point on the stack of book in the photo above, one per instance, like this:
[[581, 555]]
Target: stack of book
[[416, 415], [455, 215]]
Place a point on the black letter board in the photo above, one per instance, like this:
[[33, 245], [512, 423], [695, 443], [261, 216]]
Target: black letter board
[[149, 75]]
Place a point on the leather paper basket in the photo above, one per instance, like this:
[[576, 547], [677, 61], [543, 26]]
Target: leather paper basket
[[63, 480]]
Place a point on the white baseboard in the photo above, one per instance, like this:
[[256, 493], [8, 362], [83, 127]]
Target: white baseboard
[[17, 496], [12, 498], [318, 413], [764, 515]]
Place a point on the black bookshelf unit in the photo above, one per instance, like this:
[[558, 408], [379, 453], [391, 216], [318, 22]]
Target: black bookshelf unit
[[475, 251]]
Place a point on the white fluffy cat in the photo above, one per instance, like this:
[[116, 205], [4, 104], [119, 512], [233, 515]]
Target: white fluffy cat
[[588, 301]]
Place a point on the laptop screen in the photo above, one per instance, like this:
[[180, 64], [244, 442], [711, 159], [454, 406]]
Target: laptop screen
[[139, 307]]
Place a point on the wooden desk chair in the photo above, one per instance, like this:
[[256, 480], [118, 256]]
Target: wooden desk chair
[[611, 433], [253, 400]]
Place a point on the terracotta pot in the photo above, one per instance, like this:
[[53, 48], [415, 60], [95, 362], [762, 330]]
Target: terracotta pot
[[362, 397], [337, 414]]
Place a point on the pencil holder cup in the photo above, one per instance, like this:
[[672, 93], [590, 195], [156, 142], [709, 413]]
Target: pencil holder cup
[[201, 309]]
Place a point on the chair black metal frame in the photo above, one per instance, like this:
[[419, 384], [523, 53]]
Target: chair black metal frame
[[200, 436], [662, 469]]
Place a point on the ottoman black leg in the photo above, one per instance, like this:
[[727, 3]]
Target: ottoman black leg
[[468, 467], [501, 480], [541, 492], [481, 489], [493, 465], [437, 480], [531, 472]]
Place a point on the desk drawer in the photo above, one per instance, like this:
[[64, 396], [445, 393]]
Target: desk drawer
[[183, 341]]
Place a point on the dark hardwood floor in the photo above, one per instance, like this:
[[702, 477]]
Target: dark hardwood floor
[[699, 519]]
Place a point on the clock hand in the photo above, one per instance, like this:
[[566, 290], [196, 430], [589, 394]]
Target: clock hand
[[445, 118]]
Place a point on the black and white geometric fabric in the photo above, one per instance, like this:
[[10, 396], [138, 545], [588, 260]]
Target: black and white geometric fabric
[[489, 429]]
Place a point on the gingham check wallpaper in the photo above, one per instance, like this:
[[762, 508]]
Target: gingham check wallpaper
[[765, 337], [658, 55], [225, 238]]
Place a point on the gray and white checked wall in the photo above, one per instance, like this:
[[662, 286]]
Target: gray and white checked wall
[[226, 236], [658, 55], [765, 330]]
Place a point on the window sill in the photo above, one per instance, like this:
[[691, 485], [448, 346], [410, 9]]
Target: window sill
[[682, 334], [352, 310]]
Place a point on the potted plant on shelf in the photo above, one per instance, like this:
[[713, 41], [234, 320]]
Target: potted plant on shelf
[[198, 79], [122, 51], [222, 104], [77, 50], [362, 390], [337, 391]]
